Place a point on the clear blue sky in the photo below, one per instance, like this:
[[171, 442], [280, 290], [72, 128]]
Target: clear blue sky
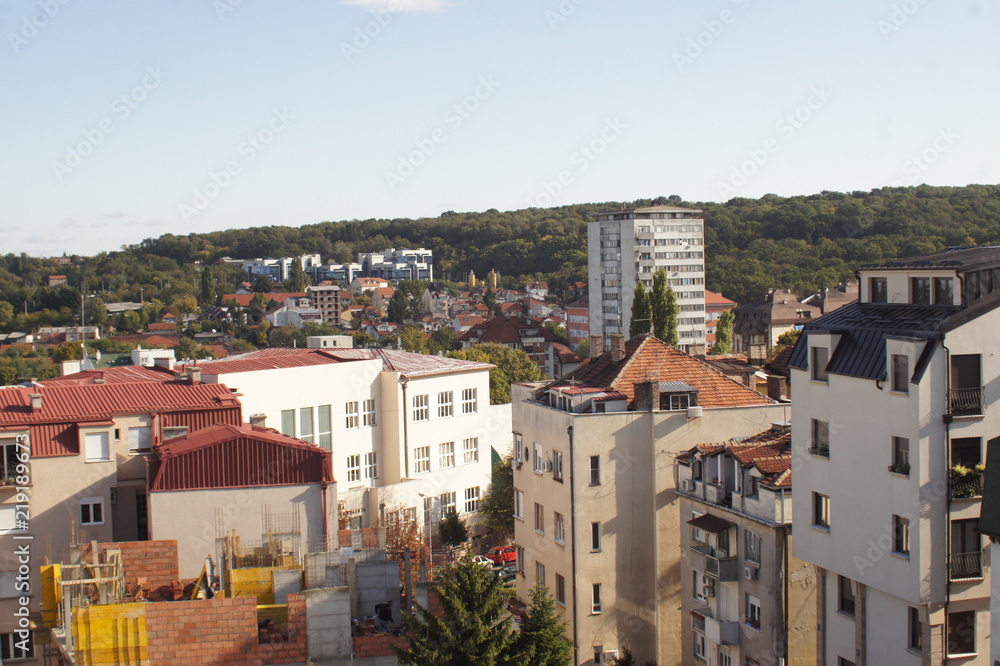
[[117, 114]]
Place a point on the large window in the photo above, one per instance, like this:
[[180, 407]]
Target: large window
[[469, 402], [821, 510], [900, 373], [325, 418], [879, 291], [961, 633], [901, 535], [944, 291], [368, 413], [306, 424], [97, 446], [920, 290], [820, 358], [352, 419], [371, 465], [422, 459], [420, 407], [91, 511], [472, 499], [446, 454], [353, 469], [140, 440], [14, 648], [288, 422], [820, 438], [445, 404], [845, 596]]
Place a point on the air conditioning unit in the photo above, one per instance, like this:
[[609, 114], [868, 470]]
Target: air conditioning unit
[[750, 572], [687, 485], [694, 412], [547, 465]]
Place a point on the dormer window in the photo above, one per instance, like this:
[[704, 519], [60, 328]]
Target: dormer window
[[878, 289], [678, 401], [944, 291], [920, 290]]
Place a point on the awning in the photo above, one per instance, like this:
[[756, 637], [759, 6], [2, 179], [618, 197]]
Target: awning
[[710, 523]]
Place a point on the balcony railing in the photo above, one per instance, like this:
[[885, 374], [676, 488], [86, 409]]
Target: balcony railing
[[723, 568], [965, 401], [970, 485], [966, 565]]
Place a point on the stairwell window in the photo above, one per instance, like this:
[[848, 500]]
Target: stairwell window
[[900, 535], [368, 414], [371, 465], [595, 470], [915, 630], [900, 373], [845, 595], [597, 607], [820, 358], [821, 511]]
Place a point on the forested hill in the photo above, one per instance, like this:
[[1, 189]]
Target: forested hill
[[801, 242]]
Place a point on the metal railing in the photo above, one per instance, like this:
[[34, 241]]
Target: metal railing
[[965, 401], [966, 565], [970, 485]]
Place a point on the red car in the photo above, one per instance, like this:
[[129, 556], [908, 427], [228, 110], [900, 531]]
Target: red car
[[501, 555]]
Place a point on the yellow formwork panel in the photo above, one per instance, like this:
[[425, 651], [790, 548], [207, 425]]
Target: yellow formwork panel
[[255, 582], [111, 634], [51, 594]]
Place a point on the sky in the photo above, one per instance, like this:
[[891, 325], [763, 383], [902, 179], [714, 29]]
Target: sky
[[129, 120]]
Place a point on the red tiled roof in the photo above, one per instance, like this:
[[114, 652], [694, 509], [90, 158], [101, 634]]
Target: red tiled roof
[[244, 299], [711, 298], [505, 330], [770, 452], [650, 359], [162, 326]]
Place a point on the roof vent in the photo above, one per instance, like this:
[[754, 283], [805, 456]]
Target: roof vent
[[781, 426], [36, 402], [100, 380], [258, 420]]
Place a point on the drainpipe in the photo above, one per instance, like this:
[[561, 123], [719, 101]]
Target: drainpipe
[[785, 585], [572, 545], [947, 497], [406, 439]]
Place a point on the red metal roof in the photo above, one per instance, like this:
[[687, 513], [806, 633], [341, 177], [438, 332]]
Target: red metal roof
[[266, 359], [126, 374], [237, 456]]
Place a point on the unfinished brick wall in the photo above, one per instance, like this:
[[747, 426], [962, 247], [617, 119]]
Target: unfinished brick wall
[[379, 645], [155, 562], [211, 631], [295, 651]]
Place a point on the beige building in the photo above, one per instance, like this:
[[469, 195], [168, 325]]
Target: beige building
[[597, 513], [326, 299], [749, 600]]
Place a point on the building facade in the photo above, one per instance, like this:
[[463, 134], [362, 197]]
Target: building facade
[[401, 264], [894, 398], [628, 246], [326, 299], [596, 508]]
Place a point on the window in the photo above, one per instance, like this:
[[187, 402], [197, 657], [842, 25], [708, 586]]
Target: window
[[140, 440], [472, 499], [595, 537], [428, 510], [325, 419], [821, 510], [753, 611], [697, 534], [446, 454], [820, 357], [10, 458], [470, 403], [961, 633], [914, 629], [470, 450], [519, 504], [560, 590], [520, 559], [306, 424], [288, 422], [900, 455], [557, 465], [845, 596], [596, 607], [539, 459], [13, 647], [878, 290], [900, 373], [725, 659], [445, 407], [560, 528], [944, 291], [420, 407], [595, 470], [539, 518], [353, 469], [920, 290], [447, 502], [697, 588], [371, 465], [699, 646], [422, 458], [679, 401], [518, 448], [966, 451], [97, 447], [901, 535], [751, 546], [91, 511], [368, 413], [966, 550], [352, 419], [10, 518], [820, 438], [539, 573]]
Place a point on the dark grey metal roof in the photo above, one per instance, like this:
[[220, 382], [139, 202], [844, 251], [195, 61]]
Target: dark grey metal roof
[[676, 387], [959, 258]]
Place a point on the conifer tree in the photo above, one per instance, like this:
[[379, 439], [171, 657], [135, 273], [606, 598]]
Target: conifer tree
[[658, 305], [543, 639], [475, 629], [724, 334], [453, 531], [672, 310], [641, 313], [208, 294]]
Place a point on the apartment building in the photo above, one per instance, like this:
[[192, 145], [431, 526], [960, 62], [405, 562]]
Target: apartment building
[[596, 507], [401, 264], [893, 403], [578, 321], [326, 299], [278, 270], [749, 600], [628, 246], [757, 326], [85, 443], [408, 432]]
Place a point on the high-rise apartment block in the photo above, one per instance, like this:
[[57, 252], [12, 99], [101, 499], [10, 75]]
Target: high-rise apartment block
[[628, 246]]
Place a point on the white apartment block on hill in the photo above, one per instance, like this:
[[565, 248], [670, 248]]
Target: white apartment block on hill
[[894, 402], [627, 246]]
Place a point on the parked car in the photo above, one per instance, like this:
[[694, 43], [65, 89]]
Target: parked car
[[501, 554], [482, 559]]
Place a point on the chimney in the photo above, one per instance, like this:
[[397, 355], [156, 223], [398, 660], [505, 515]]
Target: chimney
[[617, 348], [166, 363], [36, 402], [777, 388], [780, 426], [596, 345], [194, 372], [644, 393], [258, 420]]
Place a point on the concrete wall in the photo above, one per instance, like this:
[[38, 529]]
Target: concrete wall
[[328, 623]]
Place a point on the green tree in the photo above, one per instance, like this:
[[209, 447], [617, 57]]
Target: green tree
[[263, 285], [724, 333], [208, 296], [672, 310], [239, 346], [641, 312], [512, 365], [67, 351], [543, 639], [658, 304], [186, 348], [452, 529], [558, 330], [6, 314], [583, 348], [496, 510], [475, 627], [297, 280], [628, 659], [444, 340], [412, 339], [186, 305]]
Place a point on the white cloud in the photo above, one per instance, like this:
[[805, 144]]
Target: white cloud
[[411, 6]]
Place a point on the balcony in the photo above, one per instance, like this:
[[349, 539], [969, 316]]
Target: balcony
[[966, 402], [722, 568], [966, 566], [720, 633], [966, 482], [718, 494]]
